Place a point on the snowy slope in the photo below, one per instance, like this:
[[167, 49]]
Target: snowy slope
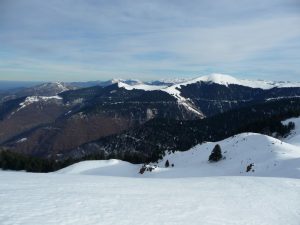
[[175, 92], [54, 199], [294, 137], [34, 99], [270, 158]]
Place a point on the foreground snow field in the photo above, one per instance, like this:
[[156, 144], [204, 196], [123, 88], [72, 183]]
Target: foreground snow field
[[35, 199]]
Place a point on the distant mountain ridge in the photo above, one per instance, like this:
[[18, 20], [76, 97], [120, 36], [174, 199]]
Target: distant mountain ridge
[[55, 118]]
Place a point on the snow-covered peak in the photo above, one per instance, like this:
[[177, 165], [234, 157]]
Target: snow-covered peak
[[218, 79], [46, 89], [224, 79], [55, 85]]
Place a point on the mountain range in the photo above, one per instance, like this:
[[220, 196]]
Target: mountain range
[[61, 120]]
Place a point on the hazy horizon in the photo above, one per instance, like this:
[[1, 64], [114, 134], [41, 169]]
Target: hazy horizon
[[142, 80]]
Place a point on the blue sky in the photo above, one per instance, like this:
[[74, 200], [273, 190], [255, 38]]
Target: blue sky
[[80, 40]]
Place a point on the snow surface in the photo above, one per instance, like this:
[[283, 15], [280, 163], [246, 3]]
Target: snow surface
[[56, 199]]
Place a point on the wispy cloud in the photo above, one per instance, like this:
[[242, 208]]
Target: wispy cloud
[[89, 39]]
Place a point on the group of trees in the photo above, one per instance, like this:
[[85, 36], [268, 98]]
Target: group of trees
[[10, 160], [15, 161]]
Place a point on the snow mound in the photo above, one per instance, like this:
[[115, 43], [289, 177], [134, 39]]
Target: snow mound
[[112, 167]]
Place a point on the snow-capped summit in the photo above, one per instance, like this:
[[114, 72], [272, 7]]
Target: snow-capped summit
[[46, 89], [224, 79], [218, 79], [60, 86]]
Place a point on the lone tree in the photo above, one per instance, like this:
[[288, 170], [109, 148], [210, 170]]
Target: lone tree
[[167, 164], [216, 154]]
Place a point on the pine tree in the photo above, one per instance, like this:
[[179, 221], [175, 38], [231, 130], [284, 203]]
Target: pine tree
[[216, 154], [167, 164]]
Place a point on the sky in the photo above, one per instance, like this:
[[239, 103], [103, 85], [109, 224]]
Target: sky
[[81, 40]]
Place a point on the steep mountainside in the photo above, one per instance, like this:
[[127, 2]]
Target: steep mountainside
[[86, 115], [149, 141]]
